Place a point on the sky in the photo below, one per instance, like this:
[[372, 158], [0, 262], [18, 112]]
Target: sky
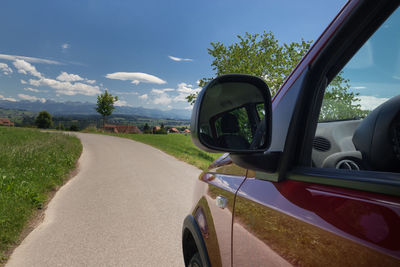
[[374, 71], [148, 53]]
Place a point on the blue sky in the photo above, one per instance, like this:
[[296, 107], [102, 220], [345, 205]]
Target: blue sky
[[149, 53]]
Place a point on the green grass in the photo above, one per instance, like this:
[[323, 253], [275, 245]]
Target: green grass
[[178, 145], [32, 164]]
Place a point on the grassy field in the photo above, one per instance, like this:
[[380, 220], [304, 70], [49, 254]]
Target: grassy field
[[178, 145], [31, 165]]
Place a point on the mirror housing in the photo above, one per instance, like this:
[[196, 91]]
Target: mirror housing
[[233, 113]]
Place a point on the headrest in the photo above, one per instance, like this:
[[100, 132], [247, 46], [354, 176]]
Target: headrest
[[229, 124]]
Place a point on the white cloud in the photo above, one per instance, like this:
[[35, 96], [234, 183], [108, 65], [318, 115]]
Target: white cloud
[[162, 99], [126, 93], [189, 108], [90, 81], [121, 103], [358, 87], [135, 77], [370, 102], [180, 59], [184, 90], [31, 98], [161, 91], [144, 97], [67, 88], [29, 59], [5, 69], [25, 68], [23, 82], [65, 46], [7, 98], [66, 77], [32, 89]]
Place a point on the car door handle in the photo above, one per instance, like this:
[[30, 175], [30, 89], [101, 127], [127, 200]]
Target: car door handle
[[221, 202]]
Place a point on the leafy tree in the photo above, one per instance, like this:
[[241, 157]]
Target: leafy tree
[[263, 56], [146, 128], [105, 105], [43, 120], [339, 103]]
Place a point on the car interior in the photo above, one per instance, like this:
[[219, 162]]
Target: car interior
[[372, 143]]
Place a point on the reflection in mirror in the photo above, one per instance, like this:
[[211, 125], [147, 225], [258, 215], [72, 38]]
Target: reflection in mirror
[[232, 115]]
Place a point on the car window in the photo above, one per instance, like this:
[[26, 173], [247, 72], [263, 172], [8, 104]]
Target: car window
[[359, 120], [238, 122]]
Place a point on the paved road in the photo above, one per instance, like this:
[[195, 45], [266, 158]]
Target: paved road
[[125, 207]]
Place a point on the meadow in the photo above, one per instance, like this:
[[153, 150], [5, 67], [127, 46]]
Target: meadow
[[32, 164]]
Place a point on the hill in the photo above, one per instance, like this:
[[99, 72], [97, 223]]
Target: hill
[[86, 108]]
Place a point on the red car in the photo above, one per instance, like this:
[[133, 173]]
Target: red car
[[311, 179]]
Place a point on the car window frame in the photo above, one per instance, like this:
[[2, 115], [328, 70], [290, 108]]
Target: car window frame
[[322, 71]]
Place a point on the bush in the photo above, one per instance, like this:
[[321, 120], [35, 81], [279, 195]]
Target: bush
[[74, 128], [161, 131]]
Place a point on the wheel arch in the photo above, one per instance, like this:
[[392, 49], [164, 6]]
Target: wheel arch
[[192, 241]]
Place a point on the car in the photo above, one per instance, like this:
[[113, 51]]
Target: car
[[307, 178]]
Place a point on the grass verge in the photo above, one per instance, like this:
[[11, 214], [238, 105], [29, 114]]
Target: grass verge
[[32, 164], [178, 145]]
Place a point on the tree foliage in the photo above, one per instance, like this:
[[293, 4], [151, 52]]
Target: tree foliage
[[339, 102], [44, 120], [105, 105], [263, 56]]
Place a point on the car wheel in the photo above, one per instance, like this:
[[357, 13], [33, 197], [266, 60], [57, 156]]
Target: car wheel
[[195, 261]]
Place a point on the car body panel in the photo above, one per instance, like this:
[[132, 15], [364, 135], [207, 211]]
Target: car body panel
[[308, 224], [223, 179]]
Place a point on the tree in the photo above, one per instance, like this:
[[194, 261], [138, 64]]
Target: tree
[[105, 105], [263, 56], [74, 128], [43, 120], [146, 128], [339, 103]]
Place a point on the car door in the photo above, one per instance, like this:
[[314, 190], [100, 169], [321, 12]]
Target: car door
[[333, 207]]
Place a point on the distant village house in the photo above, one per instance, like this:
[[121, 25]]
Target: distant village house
[[118, 128], [6, 122], [173, 130], [156, 128]]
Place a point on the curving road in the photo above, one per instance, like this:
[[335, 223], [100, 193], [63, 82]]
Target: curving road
[[125, 207]]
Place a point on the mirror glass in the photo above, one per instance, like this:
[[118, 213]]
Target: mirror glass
[[232, 116]]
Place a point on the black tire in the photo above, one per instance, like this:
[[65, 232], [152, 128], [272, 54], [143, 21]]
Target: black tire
[[195, 261]]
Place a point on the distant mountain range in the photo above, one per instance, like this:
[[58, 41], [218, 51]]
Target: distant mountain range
[[86, 108]]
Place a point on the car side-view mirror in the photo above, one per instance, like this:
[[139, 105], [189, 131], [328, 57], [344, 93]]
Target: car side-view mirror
[[233, 114]]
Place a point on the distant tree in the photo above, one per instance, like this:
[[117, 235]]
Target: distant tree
[[162, 130], [105, 105], [60, 126], [43, 120], [74, 128], [146, 129]]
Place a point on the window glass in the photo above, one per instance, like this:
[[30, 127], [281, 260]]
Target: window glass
[[238, 122], [359, 118]]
